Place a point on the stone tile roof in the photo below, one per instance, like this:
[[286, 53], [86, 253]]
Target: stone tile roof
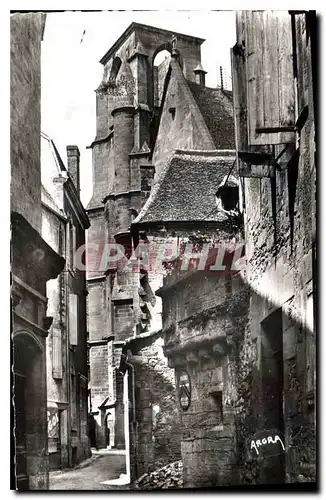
[[185, 190], [217, 110]]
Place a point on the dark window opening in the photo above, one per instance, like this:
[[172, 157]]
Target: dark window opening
[[114, 71], [217, 399], [271, 412], [229, 196], [172, 111]]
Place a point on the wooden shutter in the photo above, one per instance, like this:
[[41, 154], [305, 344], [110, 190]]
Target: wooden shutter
[[56, 353], [270, 83], [73, 318]]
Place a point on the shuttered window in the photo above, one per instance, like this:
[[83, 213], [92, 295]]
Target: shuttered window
[[56, 353], [73, 318], [270, 79]]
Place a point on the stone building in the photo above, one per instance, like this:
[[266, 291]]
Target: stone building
[[205, 304], [33, 263], [64, 222], [243, 342], [275, 116], [130, 98], [179, 162]]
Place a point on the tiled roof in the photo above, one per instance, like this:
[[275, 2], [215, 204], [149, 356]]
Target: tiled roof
[[217, 110], [185, 190]]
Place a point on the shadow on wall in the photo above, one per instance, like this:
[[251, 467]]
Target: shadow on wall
[[259, 385]]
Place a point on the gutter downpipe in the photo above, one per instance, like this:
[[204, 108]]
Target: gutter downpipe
[[126, 381]]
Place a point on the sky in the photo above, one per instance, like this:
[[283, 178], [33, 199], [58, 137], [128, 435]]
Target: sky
[[73, 44]]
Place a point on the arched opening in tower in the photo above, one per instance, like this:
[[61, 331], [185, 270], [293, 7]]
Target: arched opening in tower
[[160, 67]]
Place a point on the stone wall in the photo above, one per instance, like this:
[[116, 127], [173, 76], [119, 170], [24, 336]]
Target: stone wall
[[280, 214], [157, 419], [33, 261], [205, 341], [25, 95]]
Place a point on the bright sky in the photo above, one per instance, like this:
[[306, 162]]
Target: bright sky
[[71, 70]]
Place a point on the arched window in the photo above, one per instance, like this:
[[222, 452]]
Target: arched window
[[161, 64], [114, 71]]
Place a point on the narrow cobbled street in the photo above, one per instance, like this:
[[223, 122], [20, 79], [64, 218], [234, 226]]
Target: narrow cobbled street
[[90, 474]]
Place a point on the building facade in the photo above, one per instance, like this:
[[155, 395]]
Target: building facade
[[34, 262], [64, 222], [235, 171], [275, 115], [122, 304], [244, 343], [144, 113]]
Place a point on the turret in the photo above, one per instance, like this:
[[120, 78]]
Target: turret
[[123, 142], [200, 74]]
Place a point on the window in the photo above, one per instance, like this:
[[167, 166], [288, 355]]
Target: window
[[56, 353], [73, 318], [227, 194], [172, 111], [218, 404], [70, 245], [269, 68]]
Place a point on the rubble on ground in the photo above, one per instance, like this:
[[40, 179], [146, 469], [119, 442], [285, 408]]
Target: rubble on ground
[[167, 477]]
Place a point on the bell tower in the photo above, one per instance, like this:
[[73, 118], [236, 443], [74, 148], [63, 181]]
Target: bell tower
[[126, 117]]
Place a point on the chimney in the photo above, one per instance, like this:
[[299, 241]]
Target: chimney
[[200, 74], [73, 157]]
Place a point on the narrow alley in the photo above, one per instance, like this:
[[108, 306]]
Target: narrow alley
[[163, 250], [102, 467]]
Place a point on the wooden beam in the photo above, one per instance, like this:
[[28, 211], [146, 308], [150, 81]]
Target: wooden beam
[[258, 171]]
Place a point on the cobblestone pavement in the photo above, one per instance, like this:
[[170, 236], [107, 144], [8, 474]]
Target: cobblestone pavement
[[89, 475]]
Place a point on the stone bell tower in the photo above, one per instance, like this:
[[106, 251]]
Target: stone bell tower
[[127, 111]]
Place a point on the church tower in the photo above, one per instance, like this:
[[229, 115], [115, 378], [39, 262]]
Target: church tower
[[127, 110]]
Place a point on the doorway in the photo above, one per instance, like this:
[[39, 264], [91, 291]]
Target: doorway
[[272, 418], [20, 432]]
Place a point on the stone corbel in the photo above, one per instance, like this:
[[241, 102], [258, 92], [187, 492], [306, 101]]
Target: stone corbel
[[205, 353], [192, 357]]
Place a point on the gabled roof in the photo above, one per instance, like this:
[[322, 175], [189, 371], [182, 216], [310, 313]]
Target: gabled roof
[[50, 158], [185, 190], [52, 166], [216, 108]]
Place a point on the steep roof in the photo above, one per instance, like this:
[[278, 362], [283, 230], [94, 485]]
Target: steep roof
[[185, 190], [52, 166], [216, 108]]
